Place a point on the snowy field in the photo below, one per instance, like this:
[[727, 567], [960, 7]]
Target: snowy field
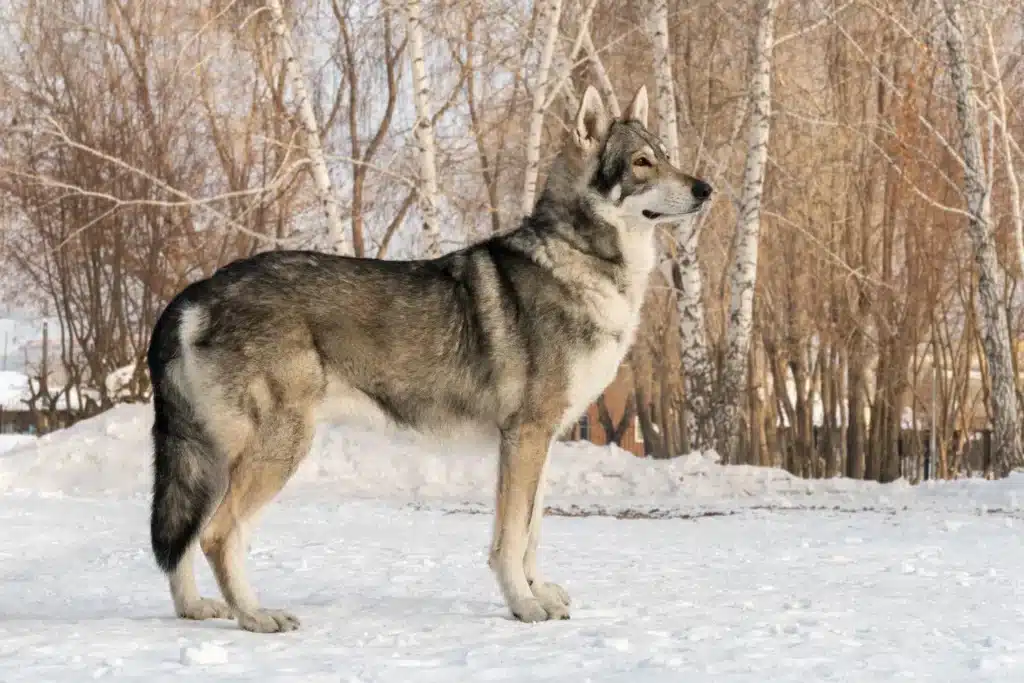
[[679, 571]]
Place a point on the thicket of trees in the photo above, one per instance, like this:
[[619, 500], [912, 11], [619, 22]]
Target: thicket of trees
[[865, 251]]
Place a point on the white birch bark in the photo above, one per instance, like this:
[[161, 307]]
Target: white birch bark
[[568, 62], [293, 73], [743, 271], [698, 371], [549, 19], [563, 64], [604, 82], [1016, 208], [1006, 437], [427, 192], [668, 129]]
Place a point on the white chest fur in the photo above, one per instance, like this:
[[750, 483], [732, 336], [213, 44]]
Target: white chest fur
[[591, 373], [617, 314]]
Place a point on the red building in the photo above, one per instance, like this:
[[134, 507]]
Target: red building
[[616, 399]]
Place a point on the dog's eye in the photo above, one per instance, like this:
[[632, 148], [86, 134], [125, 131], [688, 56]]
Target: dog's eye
[[641, 161]]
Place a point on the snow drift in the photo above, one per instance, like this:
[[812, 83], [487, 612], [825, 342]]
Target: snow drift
[[111, 454], [11, 441]]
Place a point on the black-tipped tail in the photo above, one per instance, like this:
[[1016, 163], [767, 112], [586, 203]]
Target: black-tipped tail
[[189, 476], [188, 481]]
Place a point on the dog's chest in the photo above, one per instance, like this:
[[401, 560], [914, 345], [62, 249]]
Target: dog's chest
[[613, 306], [592, 371]]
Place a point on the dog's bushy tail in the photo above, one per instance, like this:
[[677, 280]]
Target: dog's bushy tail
[[189, 474]]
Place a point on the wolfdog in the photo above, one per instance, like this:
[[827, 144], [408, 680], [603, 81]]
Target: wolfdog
[[515, 335]]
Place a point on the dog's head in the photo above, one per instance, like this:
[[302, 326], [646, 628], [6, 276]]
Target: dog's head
[[626, 167]]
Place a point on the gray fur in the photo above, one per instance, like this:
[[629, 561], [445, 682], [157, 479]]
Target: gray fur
[[515, 335]]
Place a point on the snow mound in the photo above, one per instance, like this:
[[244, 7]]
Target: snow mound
[[9, 442], [16, 390], [111, 453]]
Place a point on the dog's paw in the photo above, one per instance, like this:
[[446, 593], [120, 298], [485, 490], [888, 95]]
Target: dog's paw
[[532, 610], [550, 594], [557, 611], [529, 611], [268, 621], [205, 608]]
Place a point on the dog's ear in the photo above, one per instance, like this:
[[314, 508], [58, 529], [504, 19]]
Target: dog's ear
[[591, 120], [637, 109]]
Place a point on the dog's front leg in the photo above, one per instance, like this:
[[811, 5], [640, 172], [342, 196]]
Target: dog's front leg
[[524, 449], [549, 594]]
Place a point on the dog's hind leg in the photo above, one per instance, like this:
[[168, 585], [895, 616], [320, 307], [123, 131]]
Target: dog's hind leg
[[190, 479], [187, 602], [257, 475], [551, 595], [524, 450]]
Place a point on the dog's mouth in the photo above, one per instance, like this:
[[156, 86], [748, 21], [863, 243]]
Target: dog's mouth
[[657, 215]]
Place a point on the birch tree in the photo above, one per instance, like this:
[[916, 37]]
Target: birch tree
[[698, 370], [549, 19], [999, 95], [743, 272], [424, 130], [563, 86], [668, 125], [695, 357], [604, 82], [1006, 437], [293, 73]]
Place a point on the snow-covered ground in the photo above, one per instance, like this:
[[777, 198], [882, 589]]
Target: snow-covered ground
[[679, 571]]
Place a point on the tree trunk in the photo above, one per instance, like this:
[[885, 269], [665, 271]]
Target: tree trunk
[[828, 421], [664, 422], [653, 444], [668, 125], [568, 62], [857, 255], [1016, 208], [604, 82], [743, 276], [803, 424], [759, 414], [336, 241], [855, 430], [1006, 437], [614, 431], [879, 415], [425, 147], [698, 371], [533, 142]]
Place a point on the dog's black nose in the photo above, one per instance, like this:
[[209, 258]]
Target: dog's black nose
[[701, 190]]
